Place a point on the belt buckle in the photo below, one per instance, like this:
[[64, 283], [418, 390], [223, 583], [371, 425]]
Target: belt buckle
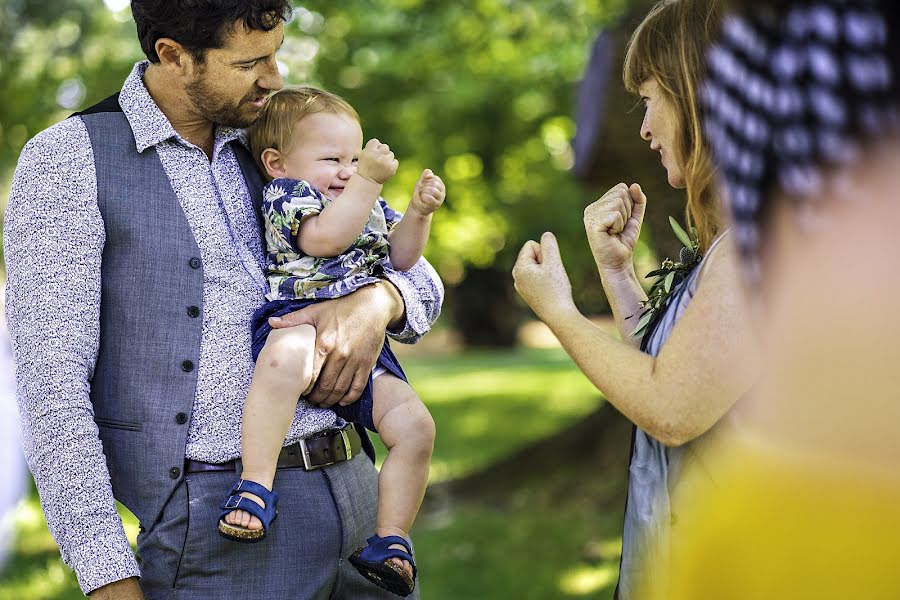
[[304, 451]]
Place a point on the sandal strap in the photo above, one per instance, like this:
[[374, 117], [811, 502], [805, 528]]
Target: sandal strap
[[237, 502], [257, 489], [380, 548]]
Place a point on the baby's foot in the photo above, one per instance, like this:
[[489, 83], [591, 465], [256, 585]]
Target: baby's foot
[[428, 195], [244, 519], [387, 531]]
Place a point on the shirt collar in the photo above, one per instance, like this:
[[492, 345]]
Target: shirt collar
[[148, 123]]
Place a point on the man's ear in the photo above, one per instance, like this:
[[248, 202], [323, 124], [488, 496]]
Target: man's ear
[[273, 163], [173, 56]]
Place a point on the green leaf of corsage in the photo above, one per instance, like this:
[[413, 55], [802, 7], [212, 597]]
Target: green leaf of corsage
[[668, 276]]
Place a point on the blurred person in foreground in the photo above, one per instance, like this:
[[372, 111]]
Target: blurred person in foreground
[[135, 263], [803, 114], [695, 358]]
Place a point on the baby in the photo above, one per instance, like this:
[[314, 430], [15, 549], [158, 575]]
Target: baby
[[329, 233]]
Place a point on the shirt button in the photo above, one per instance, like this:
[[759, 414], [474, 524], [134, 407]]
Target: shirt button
[[377, 270], [187, 366], [194, 262], [181, 418], [194, 311], [174, 472]]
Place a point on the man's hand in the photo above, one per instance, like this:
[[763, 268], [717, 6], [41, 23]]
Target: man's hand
[[349, 335], [377, 162], [124, 589]]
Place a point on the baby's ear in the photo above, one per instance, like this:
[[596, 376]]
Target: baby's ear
[[272, 162]]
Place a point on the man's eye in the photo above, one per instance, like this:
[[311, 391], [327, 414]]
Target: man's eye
[[332, 160], [247, 67]]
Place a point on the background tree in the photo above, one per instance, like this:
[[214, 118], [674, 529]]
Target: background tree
[[483, 92]]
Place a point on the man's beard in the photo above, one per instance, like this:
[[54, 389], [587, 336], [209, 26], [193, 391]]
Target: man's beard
[[211, 107]]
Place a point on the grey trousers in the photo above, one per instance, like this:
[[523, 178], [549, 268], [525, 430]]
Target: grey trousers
[[323, 516]]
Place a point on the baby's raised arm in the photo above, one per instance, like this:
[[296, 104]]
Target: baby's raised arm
[[339, 224], [409, 237]]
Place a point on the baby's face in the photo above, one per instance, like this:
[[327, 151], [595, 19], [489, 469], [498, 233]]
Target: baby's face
[[324, 151]]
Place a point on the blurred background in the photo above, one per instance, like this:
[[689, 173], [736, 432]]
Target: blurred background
[[519, 106]]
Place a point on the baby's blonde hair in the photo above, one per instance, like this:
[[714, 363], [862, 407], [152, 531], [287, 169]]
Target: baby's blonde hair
[[283, 110]]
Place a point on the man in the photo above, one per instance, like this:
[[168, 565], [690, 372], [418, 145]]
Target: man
[[129, 307]]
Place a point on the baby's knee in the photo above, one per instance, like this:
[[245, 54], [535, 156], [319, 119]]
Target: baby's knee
[[422, 428], [290, 355]]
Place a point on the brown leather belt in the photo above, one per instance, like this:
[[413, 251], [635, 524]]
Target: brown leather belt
[[315, 452]]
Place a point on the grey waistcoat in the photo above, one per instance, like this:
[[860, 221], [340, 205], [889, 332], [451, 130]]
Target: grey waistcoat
[[145, 380]]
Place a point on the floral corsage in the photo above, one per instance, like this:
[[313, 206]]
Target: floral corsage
[[668, 276]]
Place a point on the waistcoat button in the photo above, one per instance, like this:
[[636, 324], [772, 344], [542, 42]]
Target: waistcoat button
[[194, 262], [187, 366], [174, 472], [181, 418], [194, 311]]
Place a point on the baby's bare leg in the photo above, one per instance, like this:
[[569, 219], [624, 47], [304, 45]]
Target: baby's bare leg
[[407, 429], [283, 372]]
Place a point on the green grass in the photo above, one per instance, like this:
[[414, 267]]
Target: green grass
[[486, 405]]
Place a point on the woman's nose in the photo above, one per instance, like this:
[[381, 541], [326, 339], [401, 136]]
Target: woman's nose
[[645, 128]]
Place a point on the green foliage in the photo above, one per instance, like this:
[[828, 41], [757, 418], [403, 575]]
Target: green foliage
[[668, 276], [483, 92]]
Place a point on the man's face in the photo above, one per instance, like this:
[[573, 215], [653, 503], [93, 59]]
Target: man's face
[[230, 86]]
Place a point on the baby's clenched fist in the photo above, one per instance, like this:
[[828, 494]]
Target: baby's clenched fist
[[377, 162], [428, 194]]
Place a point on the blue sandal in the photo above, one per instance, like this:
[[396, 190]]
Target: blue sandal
[[235, 502], [374, 563]]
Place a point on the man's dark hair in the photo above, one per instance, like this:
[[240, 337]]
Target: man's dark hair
[[199, 25]]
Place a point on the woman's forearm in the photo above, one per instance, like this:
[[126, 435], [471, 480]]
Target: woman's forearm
[[335, 229], [670, 402], [625, 294]]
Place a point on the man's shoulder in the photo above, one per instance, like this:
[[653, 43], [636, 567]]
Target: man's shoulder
[[64, 140]]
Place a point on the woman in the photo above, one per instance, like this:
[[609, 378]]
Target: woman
[[693, 363]]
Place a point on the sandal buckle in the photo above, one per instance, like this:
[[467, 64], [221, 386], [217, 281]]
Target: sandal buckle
[[236, 504]]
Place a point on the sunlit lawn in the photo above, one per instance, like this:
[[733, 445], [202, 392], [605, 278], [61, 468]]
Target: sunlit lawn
[[486, 405]]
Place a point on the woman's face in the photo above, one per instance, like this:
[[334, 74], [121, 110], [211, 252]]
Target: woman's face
[[660, 128]]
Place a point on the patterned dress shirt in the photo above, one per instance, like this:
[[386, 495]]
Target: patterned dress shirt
[[53, 240]]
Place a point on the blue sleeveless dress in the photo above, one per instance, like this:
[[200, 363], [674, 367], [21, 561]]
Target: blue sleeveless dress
[[653, 472]]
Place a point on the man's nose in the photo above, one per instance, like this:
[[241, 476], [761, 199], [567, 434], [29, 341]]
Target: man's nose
[[271, 79]]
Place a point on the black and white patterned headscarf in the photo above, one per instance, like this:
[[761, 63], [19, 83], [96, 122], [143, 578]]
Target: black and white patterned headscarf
[[792, 90]]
